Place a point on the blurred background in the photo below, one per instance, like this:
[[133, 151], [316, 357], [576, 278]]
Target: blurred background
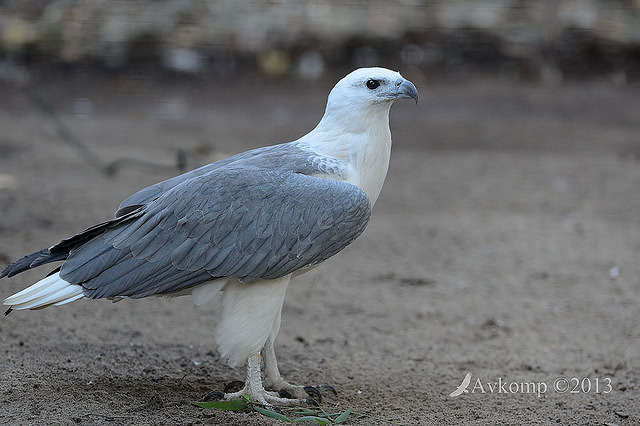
[[546, 40]]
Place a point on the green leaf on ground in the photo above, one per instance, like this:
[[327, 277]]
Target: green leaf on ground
[[272, 414], [343, 417], [319, 420], [233, 405]]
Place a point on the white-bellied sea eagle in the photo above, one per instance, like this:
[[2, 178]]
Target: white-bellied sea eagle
[[243, 226]]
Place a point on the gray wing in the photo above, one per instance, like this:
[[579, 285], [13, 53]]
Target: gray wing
[[152, 192], [236, 222], [273, 154]]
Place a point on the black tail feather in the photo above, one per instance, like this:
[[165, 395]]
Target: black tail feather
[[28, 261], [61, 250]]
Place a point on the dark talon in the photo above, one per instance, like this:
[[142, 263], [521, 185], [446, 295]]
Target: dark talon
[[313, 392], [213, 395], [234, 386], [284, 394], [328, 388], [312, 401]]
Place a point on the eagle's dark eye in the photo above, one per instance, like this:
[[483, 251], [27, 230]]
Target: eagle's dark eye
[[373, 84]]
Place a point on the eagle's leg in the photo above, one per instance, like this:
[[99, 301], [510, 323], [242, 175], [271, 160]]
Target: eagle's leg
[[273, 380], [251, 313]]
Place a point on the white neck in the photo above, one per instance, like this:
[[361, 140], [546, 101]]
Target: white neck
[[361, 138]]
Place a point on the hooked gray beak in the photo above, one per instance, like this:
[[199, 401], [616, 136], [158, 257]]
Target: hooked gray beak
[[406, 90]]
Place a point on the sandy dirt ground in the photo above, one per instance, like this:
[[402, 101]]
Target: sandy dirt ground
[[505, 244]]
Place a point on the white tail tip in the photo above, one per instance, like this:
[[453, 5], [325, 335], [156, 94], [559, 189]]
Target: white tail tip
[[51, 290]]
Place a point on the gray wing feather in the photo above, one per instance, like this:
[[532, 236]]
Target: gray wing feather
[[152, 192], [232, 222]]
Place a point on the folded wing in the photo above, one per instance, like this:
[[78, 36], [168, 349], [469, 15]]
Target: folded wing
[[235, 222]]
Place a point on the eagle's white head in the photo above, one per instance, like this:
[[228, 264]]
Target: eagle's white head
[[364, 94], [371, 86], [355, 125]]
